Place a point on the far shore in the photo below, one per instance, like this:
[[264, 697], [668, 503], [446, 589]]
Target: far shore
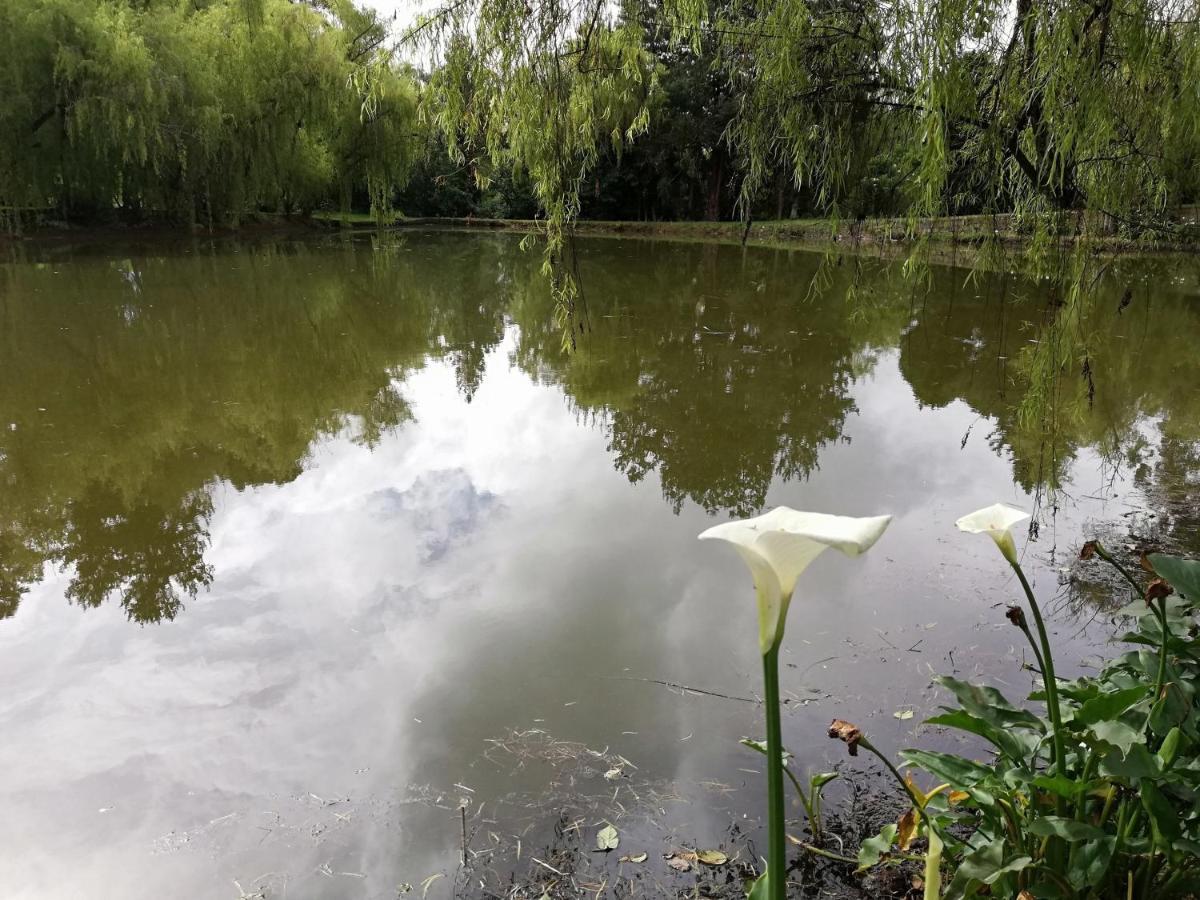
[[952, 240]]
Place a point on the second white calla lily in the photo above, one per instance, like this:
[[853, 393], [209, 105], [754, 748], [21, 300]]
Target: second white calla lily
[[996, 521], [778, 546]]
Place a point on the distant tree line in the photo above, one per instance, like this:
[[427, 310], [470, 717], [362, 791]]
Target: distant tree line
[[206, 111]]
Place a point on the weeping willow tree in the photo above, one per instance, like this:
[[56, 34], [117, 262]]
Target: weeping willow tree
[[205, 109], [1068, 121], [540, 88], [1042, 110]]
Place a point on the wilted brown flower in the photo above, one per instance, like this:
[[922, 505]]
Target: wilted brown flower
[[846, 732], [1158, 590], [1016, 615], [1088, 550]]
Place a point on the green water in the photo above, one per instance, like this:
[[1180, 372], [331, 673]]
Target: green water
[[304, 544]]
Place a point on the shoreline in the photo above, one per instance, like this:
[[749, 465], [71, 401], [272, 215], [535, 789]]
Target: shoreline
[[955, 242]]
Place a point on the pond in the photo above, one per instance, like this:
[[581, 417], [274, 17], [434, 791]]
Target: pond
[[312, 551]]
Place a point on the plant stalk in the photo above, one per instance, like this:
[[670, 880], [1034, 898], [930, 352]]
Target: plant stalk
[[933, 856], [1161, 680], [1048, 676], [776, 860], [1111, 560]]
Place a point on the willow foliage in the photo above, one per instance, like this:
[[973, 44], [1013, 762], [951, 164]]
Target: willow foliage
[[543, 88], [206, 109], [1068, 120], [1033, 107]]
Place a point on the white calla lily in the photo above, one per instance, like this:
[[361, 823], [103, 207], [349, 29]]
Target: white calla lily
[[781, 544], [996, 521]]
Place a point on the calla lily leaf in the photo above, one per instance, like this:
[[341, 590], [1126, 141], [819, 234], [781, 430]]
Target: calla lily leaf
[[996, 521], [777, 547]]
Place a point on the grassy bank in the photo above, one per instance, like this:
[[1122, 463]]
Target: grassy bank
[[947, 236], [952, 240]]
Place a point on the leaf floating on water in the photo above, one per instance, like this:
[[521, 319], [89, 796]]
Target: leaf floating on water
[[636, 858], [903, 714], [681, 860], [712, 857], [606, 838]]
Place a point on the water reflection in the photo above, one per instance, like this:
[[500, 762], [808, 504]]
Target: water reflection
[[706, 368], [415, 526], [136, 385]]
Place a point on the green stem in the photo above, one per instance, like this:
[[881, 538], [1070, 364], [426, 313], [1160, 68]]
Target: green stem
[[933, 856], [776, 874], [1161, 610], [814, 827], [916, 801], [1108, 558], [1108, 804], [1048, 677], [814, 813], [828, 854], [1151, 871]]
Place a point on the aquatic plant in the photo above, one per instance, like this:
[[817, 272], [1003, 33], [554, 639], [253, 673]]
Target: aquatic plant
[[1096, 798], [777, 547]]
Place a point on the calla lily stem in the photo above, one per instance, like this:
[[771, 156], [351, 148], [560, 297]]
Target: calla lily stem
[[776, 858], [1048, 676], [1112, 561], [1050, 681], [1161, 680]]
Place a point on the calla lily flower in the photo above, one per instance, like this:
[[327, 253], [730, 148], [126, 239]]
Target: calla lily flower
[[781, 544], [996, 521]]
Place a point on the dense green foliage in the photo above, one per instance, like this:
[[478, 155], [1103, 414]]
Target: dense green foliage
[[1095, 799], [1030, 107], [207, 110]]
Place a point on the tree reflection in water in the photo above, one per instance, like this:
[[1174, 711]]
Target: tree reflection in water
[[136, 385]]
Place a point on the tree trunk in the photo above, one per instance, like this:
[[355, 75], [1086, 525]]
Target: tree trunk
[[712, 209]]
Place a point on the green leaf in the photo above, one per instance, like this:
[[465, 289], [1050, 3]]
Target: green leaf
[[1163, 817], [984, 865], [1016, 745], [1135, 765], [1117, 734], [606, 838], [1170, 748], [1181, 574], [761, 747], [875, 848], [990, 705], [1090, 862], [760, 890], [1067, 829], [1109, 706], [1172, 709], [959, 772], [1183, 845], [821, 779], [1062, 786]]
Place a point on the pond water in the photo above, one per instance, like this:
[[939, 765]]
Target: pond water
[[304, 545]]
